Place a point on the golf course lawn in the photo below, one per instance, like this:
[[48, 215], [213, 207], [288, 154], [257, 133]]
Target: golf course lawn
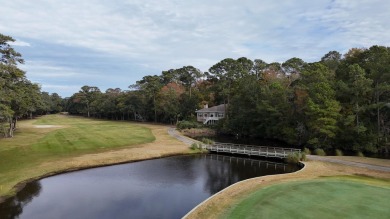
[[54, 138], [327, 197]]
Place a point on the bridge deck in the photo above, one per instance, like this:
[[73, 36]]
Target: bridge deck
[[251, 150]]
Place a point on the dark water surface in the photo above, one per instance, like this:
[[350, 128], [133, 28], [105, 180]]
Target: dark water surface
[[162, 188]]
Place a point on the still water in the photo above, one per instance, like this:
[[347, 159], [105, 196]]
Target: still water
[[162, 188]]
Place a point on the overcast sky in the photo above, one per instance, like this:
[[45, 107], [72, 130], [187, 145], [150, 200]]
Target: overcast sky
[[113, 43]]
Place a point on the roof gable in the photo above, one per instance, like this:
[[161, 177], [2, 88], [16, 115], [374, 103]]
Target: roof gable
[[219, 109]]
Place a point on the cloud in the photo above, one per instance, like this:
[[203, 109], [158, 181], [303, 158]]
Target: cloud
[[136, 37], [20, 43]]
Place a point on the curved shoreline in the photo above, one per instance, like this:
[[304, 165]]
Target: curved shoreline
[[164, 146], [235, 184], [217, 204]]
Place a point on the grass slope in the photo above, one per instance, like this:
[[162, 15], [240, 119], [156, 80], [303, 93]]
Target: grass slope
[[330, 197], [35, 143]]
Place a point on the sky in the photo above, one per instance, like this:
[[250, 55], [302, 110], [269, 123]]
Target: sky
[[114, 43]]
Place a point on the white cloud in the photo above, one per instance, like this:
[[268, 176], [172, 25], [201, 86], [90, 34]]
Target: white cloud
[[20, 43], [163, 34]]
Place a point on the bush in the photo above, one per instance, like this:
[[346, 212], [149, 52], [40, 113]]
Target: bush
[[306, 151], [303, 156], [194, 146], [207, 141], [338, 152], [359, 154], [295, 157], [187, 125], [319, 152]]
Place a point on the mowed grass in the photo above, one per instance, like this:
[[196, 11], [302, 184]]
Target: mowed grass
[[330, 197], [35, 143]]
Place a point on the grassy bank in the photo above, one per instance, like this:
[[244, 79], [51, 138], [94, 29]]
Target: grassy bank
[[56, 143], [319, 188]]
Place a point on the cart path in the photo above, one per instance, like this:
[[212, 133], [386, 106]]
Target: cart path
[[349, 163], [188, 141]]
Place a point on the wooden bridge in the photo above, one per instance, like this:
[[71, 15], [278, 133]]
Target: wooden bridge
[[251, 150]]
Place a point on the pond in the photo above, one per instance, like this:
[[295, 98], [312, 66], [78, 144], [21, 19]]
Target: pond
[[161, 188]]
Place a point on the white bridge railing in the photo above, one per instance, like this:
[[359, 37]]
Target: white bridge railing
[[263, 151]]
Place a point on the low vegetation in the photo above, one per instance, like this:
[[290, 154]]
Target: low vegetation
[[319, 152], [338, 152], [188, 125]]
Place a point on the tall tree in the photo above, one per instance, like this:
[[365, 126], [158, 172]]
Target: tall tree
[[323, 110], [150, 85], [10, 78]]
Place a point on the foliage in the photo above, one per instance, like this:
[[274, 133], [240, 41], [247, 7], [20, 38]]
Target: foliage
[[306, 151], [187, 125], [194, 146], [359, 154], [339, 102], [19, 98], [293, 158], [338, 152], [319, 152], [207, 141]]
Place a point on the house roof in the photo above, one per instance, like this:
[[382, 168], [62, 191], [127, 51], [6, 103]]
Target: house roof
[[219, 109]]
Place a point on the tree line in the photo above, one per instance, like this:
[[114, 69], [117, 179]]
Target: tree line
[[339, 102], [19, 97]]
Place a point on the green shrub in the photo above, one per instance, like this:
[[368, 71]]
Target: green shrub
[[319, 152], [194, 146], [187, 125], [359, 154], [295, 157], [207, 141], [303, 156], [306, 151], [338, 152]]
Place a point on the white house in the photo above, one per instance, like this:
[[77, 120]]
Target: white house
[[210, 115]]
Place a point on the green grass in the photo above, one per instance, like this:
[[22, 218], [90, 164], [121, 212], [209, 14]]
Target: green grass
[[31, 146], [330, 197]]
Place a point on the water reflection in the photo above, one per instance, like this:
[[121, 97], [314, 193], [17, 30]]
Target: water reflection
[[233, 169], [161, 188], [13, 207]]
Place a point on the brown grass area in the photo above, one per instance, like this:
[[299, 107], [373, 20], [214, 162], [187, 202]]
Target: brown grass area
[[195, 132], [163, 146], [313, 169], [366, 160]]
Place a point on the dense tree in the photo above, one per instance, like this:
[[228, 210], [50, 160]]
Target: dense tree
[[18, 96], [150, 86]]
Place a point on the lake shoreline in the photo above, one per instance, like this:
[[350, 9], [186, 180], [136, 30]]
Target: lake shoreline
[[167, 146], [164, 146]]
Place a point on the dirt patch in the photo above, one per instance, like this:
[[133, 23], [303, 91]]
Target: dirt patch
[[47, 126]]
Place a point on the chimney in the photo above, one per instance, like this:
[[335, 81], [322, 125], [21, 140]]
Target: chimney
[[206, 106]]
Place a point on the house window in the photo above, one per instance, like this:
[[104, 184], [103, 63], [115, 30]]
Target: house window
[[220, 115], [200, 114]]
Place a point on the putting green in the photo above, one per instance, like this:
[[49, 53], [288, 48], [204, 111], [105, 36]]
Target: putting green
[[346, 197]]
